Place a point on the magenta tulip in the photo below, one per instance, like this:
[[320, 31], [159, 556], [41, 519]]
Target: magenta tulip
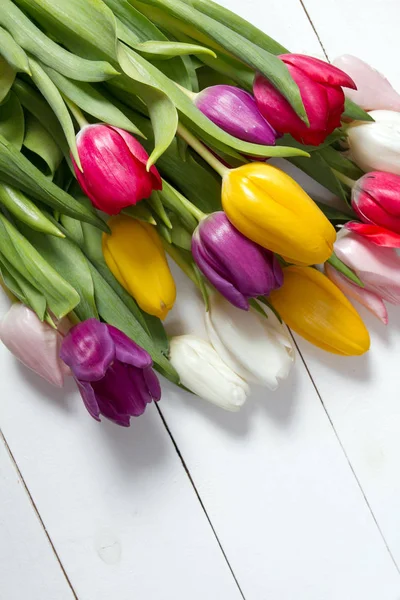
[[375, 199], [377, 267], [114, 375], [34, 343], [320, 87], [236, 266], [374, 91], [370, 300], [114, 173], [236, 112]]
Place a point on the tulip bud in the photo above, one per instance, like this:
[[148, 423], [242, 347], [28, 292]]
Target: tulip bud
[[34, 343], [377, 267], [236, 112], [114, 374], [270, 208], [236, 266], [203, 372], [320, 87], [114, 173], [376, 146], [375, 199], [256, 348], [368, 299], [316, 309], [135, 255], [374, 92]]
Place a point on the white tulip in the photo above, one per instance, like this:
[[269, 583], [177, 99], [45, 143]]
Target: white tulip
[[376, 146], [203, 372], [256, 348]]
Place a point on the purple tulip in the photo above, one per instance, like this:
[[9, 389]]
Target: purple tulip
[[114, 374], [236, 112], [236, 266]]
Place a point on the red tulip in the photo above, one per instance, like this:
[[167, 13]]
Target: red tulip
[[114, 168], [320, 87]]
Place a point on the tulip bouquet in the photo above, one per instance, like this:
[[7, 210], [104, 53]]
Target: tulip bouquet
[[133, 130]]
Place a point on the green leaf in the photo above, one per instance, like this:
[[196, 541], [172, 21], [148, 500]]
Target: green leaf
[[171, 198], [263, 300], [69, 261], [35, 42], [140, 212], [73, 229], [333, 214], [170, 49], [39, 142], [12, 123], [236, 23], [145, 72], [317, 168], [157, 333], [257, 58], [37, 106], [22, 289], [13, 53], [179, 235], [26, 211], [87, 25], [355, 112], [344, 269], [139, 26], [89, 99], [7, 76], [341, 163], [61, 297], [163, 114], [113, 310], [156, 204], [54, 98], [16, 170]]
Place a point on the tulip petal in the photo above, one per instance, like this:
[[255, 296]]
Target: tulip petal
[[141, 155], [375, 234], [89, 398], [152, 383], [368, 299], [373, 91], [88, 350], [203, 372], [248, 345], [34, 343], [376, 199], [319, 70], [127, 351]]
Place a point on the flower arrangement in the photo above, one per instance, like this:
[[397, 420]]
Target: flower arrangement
[[133, 132]]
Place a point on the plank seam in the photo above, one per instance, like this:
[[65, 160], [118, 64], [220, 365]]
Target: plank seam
[[314, 29], [346, 456], [199, 499], [8, 449]]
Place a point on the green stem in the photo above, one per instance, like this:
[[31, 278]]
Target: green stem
[[192, 209], [201, 150], [344, 179], [76, 112]]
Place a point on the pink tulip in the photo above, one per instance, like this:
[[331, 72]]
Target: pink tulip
[[375, 198], [375, 234], [320, 87], [114, 168], [377, 267], [368, 299], [35, 344], [374, 91]]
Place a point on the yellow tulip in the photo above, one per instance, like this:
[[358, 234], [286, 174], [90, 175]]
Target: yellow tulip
[[317, 310], [135, 255], [270, 208]]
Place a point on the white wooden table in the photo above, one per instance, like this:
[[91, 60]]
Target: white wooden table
[[297, 497]]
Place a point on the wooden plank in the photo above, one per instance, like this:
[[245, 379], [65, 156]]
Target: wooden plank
[[278, 489], [117, 503], [28, 566]]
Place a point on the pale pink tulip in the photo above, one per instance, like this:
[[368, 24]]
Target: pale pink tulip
[[373, 91], [376, 266], [368, 299], [35, 344]]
